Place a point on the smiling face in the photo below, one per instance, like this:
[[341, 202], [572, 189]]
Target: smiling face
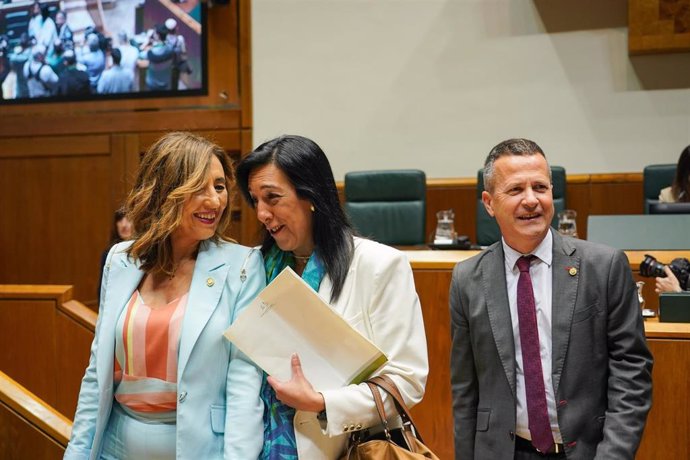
[[286, 216], [521, 200], [202, 211]]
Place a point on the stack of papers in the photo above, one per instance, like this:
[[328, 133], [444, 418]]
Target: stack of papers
[[288, 317]]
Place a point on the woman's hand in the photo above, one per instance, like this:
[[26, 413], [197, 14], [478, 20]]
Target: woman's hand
[[668, 284], [298, 392]]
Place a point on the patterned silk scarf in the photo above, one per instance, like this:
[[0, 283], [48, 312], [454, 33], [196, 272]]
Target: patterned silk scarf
[[279, 433]]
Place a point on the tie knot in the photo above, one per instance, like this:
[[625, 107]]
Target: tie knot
[[523, 263]]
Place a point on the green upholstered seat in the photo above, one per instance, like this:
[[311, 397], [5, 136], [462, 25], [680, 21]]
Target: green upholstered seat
[[388, 206], [655, 178], [487, 228]]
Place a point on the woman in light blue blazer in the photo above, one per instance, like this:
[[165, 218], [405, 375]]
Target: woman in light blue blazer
[[162, 381]]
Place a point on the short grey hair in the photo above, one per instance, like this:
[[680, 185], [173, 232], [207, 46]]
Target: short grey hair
[[517, 147]]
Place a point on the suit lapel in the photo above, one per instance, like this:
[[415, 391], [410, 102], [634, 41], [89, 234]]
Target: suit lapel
[[565, 274], [498, 308], [123, 278], [208, 281]]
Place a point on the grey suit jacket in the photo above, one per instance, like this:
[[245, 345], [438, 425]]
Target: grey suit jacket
[[601, 364]]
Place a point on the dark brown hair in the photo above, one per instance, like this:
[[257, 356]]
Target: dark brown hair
[[308, 169], [681, 183]]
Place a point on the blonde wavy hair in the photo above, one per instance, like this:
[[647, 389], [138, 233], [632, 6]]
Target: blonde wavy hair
[[172, 170]]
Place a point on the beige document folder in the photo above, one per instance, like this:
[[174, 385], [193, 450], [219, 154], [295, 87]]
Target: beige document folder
[[288, 317]]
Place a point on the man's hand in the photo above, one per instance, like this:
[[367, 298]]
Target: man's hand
[[298, 392], [668, 284]]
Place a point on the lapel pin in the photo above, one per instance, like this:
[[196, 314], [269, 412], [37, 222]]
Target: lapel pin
[[210, 282], [572, 271]]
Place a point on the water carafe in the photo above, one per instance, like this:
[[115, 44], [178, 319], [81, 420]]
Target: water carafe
[[445, 227]]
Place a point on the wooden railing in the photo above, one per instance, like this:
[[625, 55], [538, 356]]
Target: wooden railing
[[45, 338], [29, 428], [74, 326]]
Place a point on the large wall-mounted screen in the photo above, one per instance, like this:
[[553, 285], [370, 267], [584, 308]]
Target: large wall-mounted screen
[[101, 49]]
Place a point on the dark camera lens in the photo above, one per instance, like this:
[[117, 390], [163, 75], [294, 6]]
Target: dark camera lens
[[651, 267]]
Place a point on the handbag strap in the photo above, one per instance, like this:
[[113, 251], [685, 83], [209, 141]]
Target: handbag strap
[[379, 403], [386, 384]]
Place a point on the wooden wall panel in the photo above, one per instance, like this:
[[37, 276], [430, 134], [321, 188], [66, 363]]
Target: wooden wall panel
[[72, 353], [57, 214], [45, 339], [245, 68], [20, 440], [656, 26], [459, 195], [668, 425], [577, 195], [616, 197], [107, 121], [433, 415], [250, 230], [27, 345], [124, 161], [22, 147]]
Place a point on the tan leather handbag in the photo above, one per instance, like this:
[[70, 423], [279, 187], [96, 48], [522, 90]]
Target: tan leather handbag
[[397, 444]]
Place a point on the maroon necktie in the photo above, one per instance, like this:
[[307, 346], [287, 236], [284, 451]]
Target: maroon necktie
[[539, 425]]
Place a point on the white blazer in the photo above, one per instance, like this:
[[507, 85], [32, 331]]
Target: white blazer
[[219, 412], [379, 300]]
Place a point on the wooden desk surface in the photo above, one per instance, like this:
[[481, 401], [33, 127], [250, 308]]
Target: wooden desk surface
[[428, 259], [439, 260], [656, 330]]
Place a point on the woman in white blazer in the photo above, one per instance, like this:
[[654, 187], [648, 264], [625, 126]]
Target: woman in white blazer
[[162, 382], [289, 183]]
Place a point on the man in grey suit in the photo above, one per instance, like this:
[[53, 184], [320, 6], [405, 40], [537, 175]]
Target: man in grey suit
[[549, 358]]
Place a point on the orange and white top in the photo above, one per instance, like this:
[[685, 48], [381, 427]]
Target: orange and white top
[[146, 347]]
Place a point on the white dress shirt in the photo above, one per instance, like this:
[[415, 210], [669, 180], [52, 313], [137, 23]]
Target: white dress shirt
[[540, 272]]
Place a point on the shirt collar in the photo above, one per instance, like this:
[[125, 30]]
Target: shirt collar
[[544, 252]]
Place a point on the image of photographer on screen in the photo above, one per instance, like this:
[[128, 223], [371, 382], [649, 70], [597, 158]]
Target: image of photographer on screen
[[673, 277]]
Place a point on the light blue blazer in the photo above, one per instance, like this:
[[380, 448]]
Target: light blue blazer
[[219, 412]]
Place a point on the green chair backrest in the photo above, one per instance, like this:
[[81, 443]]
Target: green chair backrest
[[487, 228], [654, 178], [388, 206]]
